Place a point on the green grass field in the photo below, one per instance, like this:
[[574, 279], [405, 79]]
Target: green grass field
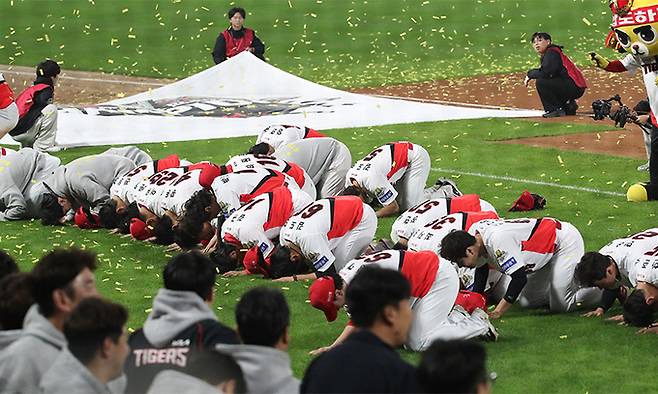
[[351, 43], [537, 352], [344, 43]]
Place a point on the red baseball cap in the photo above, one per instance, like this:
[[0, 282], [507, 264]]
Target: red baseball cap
[[140, 230], [255, 263], [322, 294], [471, 300], [84, 221]]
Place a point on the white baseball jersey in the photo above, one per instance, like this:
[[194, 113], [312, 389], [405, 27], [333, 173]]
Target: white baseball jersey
[[419, 268], [168, 190], [318, 228], [638, 251], [124, 186], [259, 221], [418, 216], [383, 167], [429, 236], [247, 162], [238, 187], [277, 135], [518, 243]]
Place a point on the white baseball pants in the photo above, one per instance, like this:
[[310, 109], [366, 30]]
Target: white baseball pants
[[41, 136], [332, 182], [352, 244], [8, 119], [411, 187]]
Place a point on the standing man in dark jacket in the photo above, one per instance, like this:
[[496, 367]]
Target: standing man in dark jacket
[[37, 125], [180, 324], [367, 362], [559, 81], [237, 38]]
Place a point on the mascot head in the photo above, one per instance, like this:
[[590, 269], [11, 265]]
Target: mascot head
[[635, 24]]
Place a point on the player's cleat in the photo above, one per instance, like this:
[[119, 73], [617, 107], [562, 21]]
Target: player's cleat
[[554, 114], [637, 193], [492, 334], [448, 186], [643, 167], [53, 149]]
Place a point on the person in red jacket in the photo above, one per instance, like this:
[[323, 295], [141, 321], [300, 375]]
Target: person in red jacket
[[8, 108], [37, 125], [237, 38], [559, 82]]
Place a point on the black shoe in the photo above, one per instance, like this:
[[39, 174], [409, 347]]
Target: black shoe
[[554, 114], [571, 107]]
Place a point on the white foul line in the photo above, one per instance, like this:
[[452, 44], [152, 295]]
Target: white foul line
[[9, 72], [509, 178]]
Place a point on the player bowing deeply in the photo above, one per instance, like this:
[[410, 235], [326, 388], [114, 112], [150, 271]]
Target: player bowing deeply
[[614, 267], [327, 234], [395, 175], [273, 136], [434, 287], [324, 159], [540, 256], [255, 226], [250, 161], [429, 210]]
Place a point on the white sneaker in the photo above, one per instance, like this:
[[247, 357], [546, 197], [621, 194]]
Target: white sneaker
[[492, 334], [643, 167]]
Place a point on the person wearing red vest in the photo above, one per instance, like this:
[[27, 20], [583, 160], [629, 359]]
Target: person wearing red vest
[[559, 82], [8, 108], [37, 125], [237, 38]]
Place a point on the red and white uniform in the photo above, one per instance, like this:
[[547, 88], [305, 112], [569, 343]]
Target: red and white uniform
[[434, 288], [259, 221], [430, 235], [277, 135], [532, 244], [247, 162], [124, 187], [330, 231], [238, 187], [638, 252], [395, 171], [416, 217], [169, 190]]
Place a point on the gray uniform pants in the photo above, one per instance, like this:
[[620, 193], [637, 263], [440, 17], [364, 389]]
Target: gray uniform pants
[[41, 136]]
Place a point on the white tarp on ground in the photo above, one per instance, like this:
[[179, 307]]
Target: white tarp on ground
[[240, 97]]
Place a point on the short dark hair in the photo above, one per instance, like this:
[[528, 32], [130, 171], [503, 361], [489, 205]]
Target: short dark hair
[[262, 148], [48, 69], [636, 310], [542, 35], [55, 271], [186, 233], [190, 271], [109, 218], [215, 368], [93, 320], [50, 211], [163, 231], [454, 245], [235, 10], [456, 366], [591, 268], [221, 257], [15, 300], [281, 265], [262, 315], [7, 264], [371, 290]]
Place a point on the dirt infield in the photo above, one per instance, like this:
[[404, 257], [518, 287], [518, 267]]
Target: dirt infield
[[506, 90]]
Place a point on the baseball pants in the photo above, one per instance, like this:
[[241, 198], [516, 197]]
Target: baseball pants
[[8, 119], [555, 92], [41, 136], [352, 244], [411, 187], [332, 181], [309, 186], [133, 153], [433, 315]]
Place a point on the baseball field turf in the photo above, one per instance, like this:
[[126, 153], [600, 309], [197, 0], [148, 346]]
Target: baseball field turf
[[368, 43]]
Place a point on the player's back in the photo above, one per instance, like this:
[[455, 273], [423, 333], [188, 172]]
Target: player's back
[[429, 236], [124, 186], [149, 192], [277, 135], [631, 252]]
